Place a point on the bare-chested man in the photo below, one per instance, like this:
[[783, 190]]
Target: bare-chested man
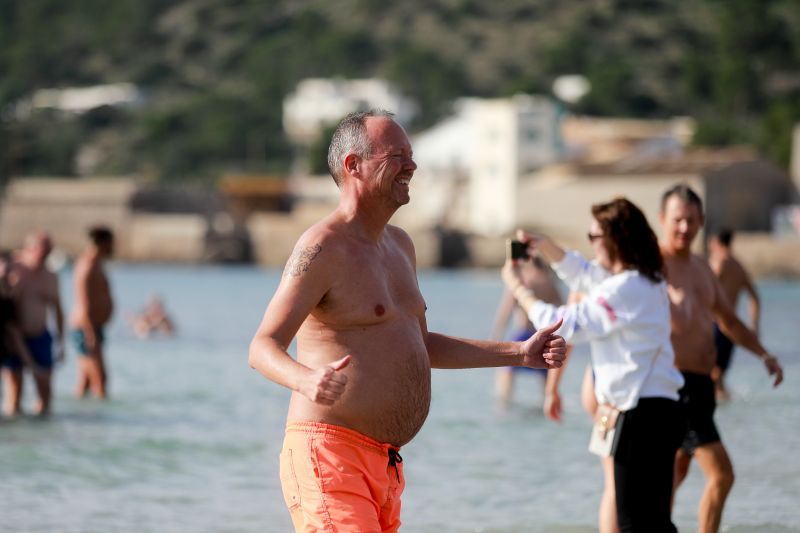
[[697, 301], [734, 279], [36, 293], [361, 384], [92, 310], [538, 277]]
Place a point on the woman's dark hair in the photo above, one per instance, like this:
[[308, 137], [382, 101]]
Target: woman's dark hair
[[628, 237]]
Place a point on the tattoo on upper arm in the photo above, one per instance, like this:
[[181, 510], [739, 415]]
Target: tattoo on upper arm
[[300, 260]]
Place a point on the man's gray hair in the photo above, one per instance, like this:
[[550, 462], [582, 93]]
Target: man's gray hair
[[350, 136]]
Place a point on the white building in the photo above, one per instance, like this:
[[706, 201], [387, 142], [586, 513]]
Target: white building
[[79, 100], [469, 164], [317, 103]]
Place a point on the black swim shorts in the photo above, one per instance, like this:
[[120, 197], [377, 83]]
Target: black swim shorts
[[697, 396]]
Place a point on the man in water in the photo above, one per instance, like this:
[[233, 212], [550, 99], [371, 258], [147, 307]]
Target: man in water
[[92, 310], [361, 382], [37, 295], [538, 277], [734, 279], [697, 301], [153, 318]]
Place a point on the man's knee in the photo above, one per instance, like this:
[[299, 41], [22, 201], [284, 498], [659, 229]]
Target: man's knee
[[717, 466], [723, 478]]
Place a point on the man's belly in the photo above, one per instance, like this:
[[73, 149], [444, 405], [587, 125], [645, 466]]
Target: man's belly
[[100, 312], [32, 318], [695, 350], [388, 392]]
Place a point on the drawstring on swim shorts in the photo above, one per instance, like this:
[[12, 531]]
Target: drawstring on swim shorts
[[394, 458]]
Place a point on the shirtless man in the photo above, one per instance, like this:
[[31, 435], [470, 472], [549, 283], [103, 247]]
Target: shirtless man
[[538, 277], [92, 310], [153, 318], [361, 384], [697, 301], [36, 293], [734, 279]]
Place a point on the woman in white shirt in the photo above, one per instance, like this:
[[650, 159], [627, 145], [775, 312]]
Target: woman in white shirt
[[625, 318]]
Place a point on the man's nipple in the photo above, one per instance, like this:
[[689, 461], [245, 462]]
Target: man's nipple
[[379, 310]]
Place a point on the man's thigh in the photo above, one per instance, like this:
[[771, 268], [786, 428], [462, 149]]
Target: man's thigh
[[334, 486], [333, 509]]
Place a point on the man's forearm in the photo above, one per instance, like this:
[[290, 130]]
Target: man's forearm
[[755, 314], [454, 352], [272, 361], [743, 336], [60, 324]]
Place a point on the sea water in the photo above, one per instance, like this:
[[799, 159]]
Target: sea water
[[190, 438]]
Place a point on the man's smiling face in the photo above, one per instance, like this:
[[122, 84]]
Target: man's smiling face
[[390, 162], [681, 221]]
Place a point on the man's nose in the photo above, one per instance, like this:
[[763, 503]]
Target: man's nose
[[410, 163]]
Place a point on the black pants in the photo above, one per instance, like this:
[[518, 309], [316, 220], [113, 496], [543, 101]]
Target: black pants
[[644, 463]]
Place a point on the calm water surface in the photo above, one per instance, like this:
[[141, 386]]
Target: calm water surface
[[190, 440]]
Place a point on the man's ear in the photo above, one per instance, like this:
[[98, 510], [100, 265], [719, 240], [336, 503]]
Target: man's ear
[[351, 162]]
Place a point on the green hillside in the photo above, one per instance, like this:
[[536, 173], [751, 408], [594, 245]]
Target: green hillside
[[216, 72]]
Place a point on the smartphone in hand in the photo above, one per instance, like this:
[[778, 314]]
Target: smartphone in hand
[[516, 250]]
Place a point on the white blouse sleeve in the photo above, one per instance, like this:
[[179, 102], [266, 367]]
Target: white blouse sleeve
[[578, 273], [595, 316]]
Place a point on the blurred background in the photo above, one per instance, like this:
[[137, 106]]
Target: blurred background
[[197, 131]]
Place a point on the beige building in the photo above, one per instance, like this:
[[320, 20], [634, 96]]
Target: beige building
[[740, 190], [470, 163]]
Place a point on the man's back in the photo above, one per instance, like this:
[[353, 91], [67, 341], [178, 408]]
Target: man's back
[[732, 276], [538, 277]]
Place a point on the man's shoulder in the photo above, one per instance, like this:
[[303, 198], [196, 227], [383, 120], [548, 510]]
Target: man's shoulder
[[85, 264], [400, 236], [700, 264], [319, 247], [324, 235], [737, 266], [25, 273]]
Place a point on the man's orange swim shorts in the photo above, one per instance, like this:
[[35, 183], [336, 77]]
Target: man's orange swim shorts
[[335, 479]]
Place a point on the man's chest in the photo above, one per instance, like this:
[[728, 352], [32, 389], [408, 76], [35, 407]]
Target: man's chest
[[694, 283], [33, 287], [373, 291]]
